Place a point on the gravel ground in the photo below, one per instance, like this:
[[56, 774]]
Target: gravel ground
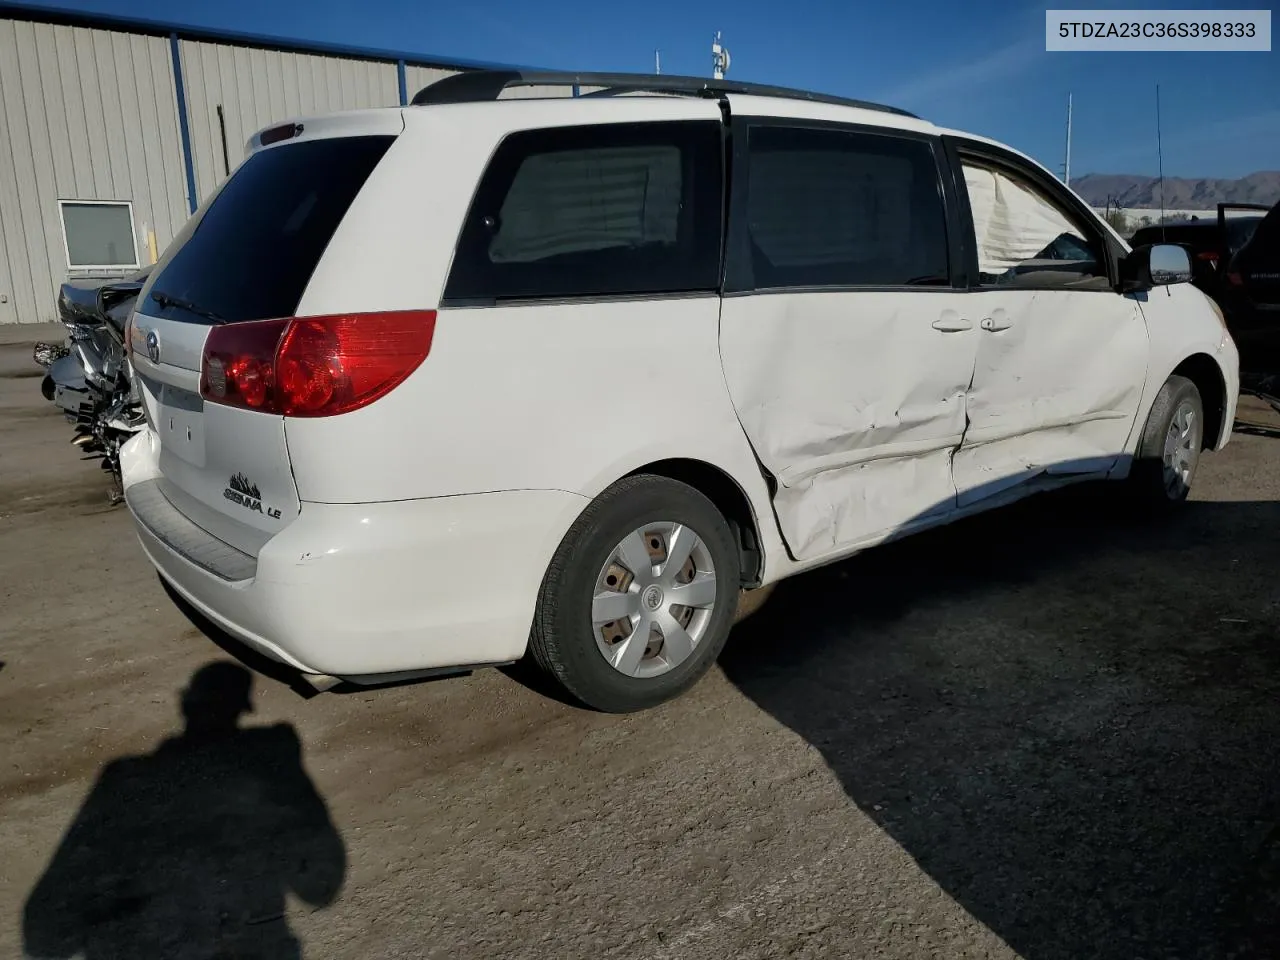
[[1047, 733]]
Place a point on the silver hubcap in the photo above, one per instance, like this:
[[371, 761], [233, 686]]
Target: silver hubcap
[[653, 599], [1181, 450]]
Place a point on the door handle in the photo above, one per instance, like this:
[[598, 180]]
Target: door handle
[[952, 324], [996, 323]]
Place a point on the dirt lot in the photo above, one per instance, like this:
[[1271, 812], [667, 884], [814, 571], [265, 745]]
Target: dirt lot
[[1051, 733]]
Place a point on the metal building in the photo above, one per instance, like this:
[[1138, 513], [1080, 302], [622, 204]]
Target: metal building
[[112, 130]]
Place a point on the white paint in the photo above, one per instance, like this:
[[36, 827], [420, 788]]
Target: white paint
[[382, 588], [422, 524], [1056, 389], [854, 402]]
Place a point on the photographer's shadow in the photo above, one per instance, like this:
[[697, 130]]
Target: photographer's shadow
[[191, 850]]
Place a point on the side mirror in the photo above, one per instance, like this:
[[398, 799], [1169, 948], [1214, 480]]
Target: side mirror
[[1155, 265]]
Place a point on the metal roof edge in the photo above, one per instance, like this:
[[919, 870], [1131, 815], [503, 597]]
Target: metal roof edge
[[109, 21]]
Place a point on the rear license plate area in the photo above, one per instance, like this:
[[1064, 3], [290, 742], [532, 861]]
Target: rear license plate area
[[180, 423]]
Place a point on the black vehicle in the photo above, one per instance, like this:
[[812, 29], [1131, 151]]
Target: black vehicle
[[1251, 299], [1211, 243]]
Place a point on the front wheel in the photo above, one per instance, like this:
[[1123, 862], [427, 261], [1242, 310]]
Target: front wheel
[[1172, 440], [640, 596]]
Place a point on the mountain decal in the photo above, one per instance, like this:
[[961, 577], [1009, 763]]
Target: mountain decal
[[240, 483]]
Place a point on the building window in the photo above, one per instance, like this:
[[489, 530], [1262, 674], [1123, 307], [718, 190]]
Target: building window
[[98, 234]]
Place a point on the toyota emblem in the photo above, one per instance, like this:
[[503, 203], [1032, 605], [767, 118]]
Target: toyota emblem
[[153, 347]]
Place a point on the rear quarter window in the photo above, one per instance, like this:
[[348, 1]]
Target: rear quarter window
[[254, 249], [611, 209]]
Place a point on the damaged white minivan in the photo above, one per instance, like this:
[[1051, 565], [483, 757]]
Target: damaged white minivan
[[483, 377]]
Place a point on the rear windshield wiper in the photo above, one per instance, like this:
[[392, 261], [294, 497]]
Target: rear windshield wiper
[[168, 300]]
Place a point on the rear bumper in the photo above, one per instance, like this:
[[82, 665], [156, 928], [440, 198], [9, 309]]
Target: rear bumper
[[353, 590]]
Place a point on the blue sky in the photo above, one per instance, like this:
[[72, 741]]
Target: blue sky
[[979, 65]]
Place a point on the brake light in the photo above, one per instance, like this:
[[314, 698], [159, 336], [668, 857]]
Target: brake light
[[1210, 255], [314, 366], [286, 131]]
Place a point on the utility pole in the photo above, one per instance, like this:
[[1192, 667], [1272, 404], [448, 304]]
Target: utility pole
[[1160, 161], [1066, 166], [657, 61]]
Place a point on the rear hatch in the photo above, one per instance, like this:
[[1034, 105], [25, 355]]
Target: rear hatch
[[246, 256]]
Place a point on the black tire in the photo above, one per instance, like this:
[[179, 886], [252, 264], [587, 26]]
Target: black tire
[[562, 642], [1148, 482]]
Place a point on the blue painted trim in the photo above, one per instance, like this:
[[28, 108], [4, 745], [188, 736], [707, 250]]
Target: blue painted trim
[[404, 92], [103, 21], [183, 128]]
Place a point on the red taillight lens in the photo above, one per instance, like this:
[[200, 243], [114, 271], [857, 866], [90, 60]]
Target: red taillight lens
[[314, 366], [1210, 255], [1235, 279]]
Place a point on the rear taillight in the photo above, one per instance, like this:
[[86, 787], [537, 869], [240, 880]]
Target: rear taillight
[[1235, 279], [1210, 255], [313, 366]]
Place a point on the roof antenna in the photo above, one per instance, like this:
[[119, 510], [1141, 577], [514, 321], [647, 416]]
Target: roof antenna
[[1160, 161], [719, 58]]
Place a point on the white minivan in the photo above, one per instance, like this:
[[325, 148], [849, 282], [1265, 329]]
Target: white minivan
[[442, 386]]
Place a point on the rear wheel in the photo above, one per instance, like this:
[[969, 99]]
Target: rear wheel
[[1172, 440], [640, 596]]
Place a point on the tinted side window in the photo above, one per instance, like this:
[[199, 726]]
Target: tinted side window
[[841, 208], [599, 210], [253, 252]]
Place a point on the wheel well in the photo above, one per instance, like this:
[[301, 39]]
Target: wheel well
[[722, 490], [1202, 370]]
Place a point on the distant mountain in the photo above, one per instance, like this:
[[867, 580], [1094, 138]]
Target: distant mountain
[[1180, 193]]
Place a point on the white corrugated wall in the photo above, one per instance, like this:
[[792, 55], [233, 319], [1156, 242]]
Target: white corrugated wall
[[415, 78], [84, 115], [258, 87], [91, 114]]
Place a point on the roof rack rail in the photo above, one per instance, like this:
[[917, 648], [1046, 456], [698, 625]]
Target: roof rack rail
[[476, 86]]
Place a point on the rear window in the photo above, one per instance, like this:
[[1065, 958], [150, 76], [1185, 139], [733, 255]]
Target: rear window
[[254, 250], [611, 209]]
